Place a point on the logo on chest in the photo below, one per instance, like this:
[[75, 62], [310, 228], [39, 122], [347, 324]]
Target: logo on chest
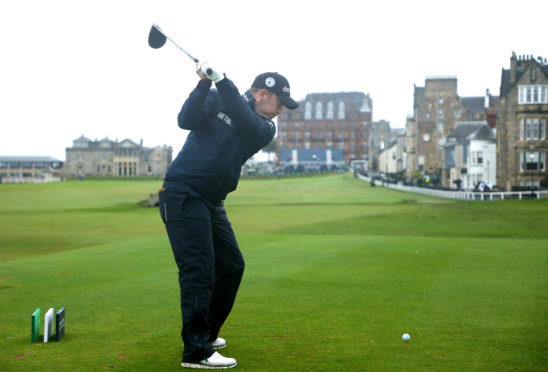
[[224, 117]]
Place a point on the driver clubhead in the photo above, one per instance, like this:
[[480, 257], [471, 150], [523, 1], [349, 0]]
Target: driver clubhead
[[156, 38]]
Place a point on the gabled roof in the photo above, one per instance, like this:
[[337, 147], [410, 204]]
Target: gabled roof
[[473, 104], [464, 129], [353, 101], [126, 143], [485, 132], [522, 66], [472, 130], [82, 138]]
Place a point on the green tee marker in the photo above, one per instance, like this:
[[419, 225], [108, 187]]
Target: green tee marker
[[35, 326]]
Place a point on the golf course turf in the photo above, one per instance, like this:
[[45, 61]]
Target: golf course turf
[[336, 272]]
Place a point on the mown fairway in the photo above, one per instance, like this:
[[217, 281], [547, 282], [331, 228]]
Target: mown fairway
[[336, 273]]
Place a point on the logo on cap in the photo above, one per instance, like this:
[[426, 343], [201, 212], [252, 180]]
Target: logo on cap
[[270, 82]]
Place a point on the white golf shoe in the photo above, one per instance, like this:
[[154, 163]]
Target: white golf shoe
[[215, 361], [219, 343]]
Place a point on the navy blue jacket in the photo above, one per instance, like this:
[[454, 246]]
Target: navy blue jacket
[[225, 131]]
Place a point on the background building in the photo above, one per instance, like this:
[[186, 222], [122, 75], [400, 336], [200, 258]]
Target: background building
[[379, 141], [470, 155], [437, 107], [523, 116], [107, 158], [337, 121], [30, 169]]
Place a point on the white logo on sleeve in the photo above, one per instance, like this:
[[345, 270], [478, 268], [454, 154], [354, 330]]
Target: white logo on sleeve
[[224, 117]]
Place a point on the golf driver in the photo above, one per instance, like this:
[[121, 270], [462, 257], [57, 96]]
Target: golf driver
[[157, 38]]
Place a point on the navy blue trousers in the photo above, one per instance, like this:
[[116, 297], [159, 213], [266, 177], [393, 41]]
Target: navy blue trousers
[[210, 267]]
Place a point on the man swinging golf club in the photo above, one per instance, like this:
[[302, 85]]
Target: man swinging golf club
[[226, 129]]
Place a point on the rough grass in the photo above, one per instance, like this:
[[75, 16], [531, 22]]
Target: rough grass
[[336, 273]]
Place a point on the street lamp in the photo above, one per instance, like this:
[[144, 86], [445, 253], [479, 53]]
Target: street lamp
[[532, 157]]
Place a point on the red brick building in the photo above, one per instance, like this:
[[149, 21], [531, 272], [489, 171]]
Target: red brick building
[[328, 121]]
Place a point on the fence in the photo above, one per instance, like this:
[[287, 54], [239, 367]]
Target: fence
[[29, 179], [463, 195]]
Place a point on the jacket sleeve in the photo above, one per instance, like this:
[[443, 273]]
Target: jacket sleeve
[[196, 107], [254, 129]]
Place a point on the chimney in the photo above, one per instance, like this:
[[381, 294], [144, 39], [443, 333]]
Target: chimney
[[513, 68], [491, 118]]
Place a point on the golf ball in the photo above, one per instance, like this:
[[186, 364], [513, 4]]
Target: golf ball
[[405, 337]]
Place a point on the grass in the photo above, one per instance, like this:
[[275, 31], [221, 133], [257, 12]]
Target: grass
[[336, 273]]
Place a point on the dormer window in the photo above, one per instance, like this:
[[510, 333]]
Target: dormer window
[[330, 107], [319, 110], [340, 114], [308, 111]]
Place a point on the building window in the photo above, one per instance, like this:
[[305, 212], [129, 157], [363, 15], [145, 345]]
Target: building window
[[342, 108], [532, 161], [308, 111], [532, 129], [532, 94], [330, 107], [319, 110]]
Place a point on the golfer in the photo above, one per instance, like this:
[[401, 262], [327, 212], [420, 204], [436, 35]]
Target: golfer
[[226, 129]]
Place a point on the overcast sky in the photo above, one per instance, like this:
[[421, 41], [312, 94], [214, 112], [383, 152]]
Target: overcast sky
[[72, 68]]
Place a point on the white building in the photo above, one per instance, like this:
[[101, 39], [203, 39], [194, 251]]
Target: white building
[[388, 160], [470, 155]]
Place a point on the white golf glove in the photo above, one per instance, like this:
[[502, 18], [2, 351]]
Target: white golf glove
[[210, 72]]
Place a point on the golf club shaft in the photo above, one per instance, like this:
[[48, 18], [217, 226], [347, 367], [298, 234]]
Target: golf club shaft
[[157, 28], [177, 45]]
